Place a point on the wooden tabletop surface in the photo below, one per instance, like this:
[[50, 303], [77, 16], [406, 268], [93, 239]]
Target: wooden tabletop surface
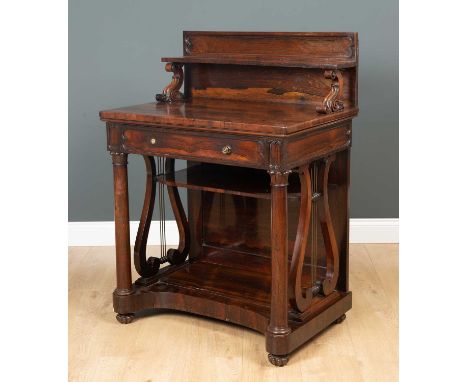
[[242, 116]]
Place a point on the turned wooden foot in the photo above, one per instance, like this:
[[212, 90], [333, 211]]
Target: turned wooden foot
[[278, 360], [340, 319], [125, 318]]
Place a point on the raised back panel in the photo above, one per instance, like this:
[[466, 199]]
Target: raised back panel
[[258, 83], [318, 44], [263, 82]]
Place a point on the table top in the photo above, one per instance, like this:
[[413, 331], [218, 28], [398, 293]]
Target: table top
[[271, 118]]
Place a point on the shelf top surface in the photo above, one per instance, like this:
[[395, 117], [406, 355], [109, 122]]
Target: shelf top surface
[[271, 118], [228, 179], [301, 61]]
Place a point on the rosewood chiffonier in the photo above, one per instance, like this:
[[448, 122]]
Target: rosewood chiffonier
[[264, 123]]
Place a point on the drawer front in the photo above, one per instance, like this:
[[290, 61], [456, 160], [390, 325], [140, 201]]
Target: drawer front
[[213, 148]]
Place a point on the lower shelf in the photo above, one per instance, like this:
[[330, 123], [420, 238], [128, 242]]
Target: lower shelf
[[236, 285], [231, 286]]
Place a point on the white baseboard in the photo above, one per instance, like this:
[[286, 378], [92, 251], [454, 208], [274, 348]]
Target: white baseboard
[[374, 231], [102, 233]]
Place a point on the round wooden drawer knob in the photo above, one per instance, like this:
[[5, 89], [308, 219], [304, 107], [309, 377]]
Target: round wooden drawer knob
[[153, 141], [227, 150]]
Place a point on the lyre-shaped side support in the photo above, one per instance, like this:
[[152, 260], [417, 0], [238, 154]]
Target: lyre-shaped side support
[[299, 297], [171, 92], [332, 102], [177, 256], [329, 239], [146, 268], [150, 267]]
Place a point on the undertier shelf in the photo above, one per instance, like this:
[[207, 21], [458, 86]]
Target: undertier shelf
[[245, 286], [222, 279], [238, 277]]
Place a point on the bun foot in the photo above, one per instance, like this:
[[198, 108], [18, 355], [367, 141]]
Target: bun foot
[[278, 360], [125, 318], [340, 319]]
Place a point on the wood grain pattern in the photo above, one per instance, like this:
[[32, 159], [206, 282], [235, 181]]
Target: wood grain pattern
[[210, 148], [253, 59], [278, 328], [122, 225], [253, 83], [227, 116], [302, 149], [331, 45]]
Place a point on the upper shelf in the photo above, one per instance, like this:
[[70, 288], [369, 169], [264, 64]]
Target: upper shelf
[[232, 180], [295, 61]]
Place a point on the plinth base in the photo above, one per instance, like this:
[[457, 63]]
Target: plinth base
[[234, 291]]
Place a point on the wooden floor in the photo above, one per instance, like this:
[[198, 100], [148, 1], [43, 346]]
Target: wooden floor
[[179, 347]]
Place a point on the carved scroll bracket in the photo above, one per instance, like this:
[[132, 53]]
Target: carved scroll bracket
[[332, 102], [172, 92]]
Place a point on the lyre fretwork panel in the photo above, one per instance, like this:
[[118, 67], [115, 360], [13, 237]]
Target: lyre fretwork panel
[[317, 226], [317, 235], [315, 220], [149, 267]]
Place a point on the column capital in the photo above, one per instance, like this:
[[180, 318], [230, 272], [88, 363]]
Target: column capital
[[119, 159], [279, 178]]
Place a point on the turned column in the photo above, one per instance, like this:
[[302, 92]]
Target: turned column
[[122, 225], [278, 326]]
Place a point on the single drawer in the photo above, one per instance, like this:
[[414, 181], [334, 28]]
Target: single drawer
[[206, 148]]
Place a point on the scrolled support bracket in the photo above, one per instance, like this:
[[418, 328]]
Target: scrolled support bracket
[[171, 92], [332, 101]]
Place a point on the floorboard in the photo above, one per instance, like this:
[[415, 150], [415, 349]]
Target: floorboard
[[182, 347]]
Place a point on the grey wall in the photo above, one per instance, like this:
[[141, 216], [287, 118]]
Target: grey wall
[[114, 60]]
